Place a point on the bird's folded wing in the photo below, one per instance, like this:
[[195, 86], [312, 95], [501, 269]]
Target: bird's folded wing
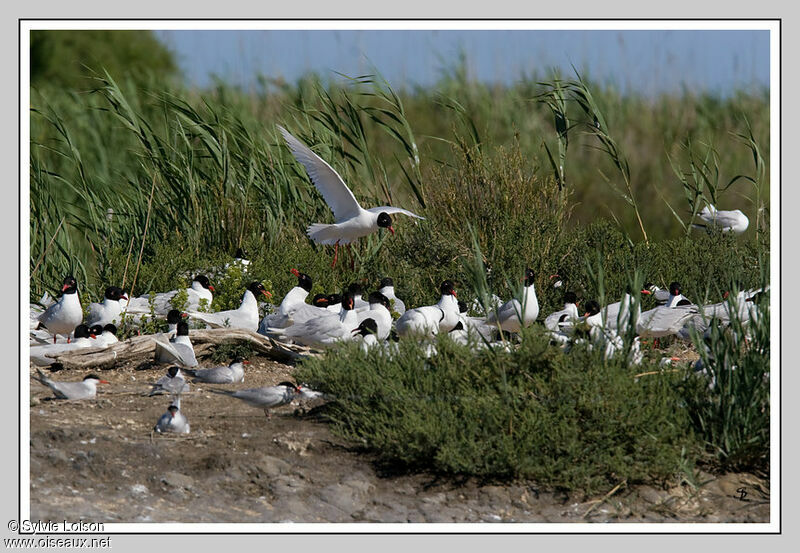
[[665, 319], [214, 320], [338, 197]]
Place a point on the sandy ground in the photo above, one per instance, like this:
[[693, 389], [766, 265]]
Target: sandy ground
[[95, 460]]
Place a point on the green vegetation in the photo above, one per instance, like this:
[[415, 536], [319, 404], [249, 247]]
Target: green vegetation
[[571, 421], [69, 58], [143, 183]]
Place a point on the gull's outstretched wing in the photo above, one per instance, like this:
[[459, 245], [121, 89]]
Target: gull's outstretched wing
[[389, 209], [338, 197]]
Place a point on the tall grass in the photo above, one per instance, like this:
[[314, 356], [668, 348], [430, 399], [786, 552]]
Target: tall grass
[[224, 175], [728, 398]]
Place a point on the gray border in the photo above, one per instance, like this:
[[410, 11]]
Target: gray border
[[414, 8]]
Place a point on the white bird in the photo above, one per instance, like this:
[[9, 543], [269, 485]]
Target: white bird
[[617, 316], [566, 316], [267, 397], [560, 277], [742, 306], [104, 336], [334, 303], [727, 221], [240, 258], [367, 331], [246, 316], [324, 330], [178, 350], [508, 316], [198, 294], [387, 289], [359, 303], [665, 321], [172, 383], [36, 310], [172, 421], [173, 318], [352, 221], [221, 375], [42, 355], [85, 389], [379, 312], [659, 294], [294, 300], [431, 319], [109, 310], [64, 315], [675, 296]]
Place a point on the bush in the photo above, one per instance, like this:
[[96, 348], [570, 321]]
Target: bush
[[566, 421]]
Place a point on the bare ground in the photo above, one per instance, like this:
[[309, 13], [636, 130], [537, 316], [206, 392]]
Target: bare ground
[[95, 460]]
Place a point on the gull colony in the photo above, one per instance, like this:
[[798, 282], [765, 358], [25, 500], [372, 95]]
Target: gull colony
[[376, 320]]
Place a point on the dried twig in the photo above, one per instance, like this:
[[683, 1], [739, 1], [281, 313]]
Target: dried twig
[[599, 502]]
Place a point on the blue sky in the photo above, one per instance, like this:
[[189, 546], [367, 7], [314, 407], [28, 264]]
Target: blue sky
[[644, 61]]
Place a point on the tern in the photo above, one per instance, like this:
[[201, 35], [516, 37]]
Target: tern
[[172, 383], [64, 315], [267, 397], [172, 421], [352, 221], [85, 389], [221, 375]]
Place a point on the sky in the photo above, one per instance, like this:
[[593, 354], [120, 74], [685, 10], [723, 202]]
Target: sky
[[647, 62]]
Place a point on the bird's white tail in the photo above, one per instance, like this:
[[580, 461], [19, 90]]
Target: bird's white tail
[[325, 234]]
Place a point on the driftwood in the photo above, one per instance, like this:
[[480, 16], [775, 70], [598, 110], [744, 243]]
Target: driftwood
[[142, 348]]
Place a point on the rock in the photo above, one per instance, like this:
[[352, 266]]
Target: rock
[[178, 480], [294, 442], [271, 466], [139, 489], [496, 495], [287, 485], [438, 513], [435, 499], [651, 495], [347, 498], [57, 455]]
